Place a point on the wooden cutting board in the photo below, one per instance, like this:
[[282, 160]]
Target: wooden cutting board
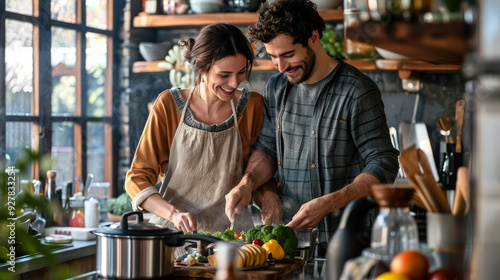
[[278, 270]]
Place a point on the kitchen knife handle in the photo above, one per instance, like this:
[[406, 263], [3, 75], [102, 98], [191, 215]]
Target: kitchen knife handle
[[459, 120]]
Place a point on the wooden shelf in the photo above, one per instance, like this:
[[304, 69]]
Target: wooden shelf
[[415, 65], [152, 66], [437, 43], [378, 65], [242, 19]]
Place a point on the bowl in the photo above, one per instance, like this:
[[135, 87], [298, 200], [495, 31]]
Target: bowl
[[244, 5], [151, 51], [390, 55], [327, 4], [206, 6]]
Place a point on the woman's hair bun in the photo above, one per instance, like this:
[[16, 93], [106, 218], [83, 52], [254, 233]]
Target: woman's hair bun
[[189, 43]]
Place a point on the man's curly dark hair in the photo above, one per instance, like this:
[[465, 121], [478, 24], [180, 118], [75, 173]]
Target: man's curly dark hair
[[295, 18]]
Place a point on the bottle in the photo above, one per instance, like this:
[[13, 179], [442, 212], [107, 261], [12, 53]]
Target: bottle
[[53, 197], [50, 185], [40, 222], [354, 11], [91, 212], [66, 207], [225, 261]]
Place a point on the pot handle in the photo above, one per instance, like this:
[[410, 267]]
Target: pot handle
[[124, 219]]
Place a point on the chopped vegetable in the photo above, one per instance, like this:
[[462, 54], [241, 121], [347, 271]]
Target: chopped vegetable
[[228, 235], [190, 260]]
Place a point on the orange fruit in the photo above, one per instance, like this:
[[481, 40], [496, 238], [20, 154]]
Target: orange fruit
[[411, 263], [391, 276]]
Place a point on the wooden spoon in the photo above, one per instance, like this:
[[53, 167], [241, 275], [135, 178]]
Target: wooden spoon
[[427, 181], [445, 125], [409, 162]]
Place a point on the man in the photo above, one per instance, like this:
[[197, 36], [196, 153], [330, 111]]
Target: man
[[324, 128]]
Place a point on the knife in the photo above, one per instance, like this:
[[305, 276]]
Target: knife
[[232, 222]]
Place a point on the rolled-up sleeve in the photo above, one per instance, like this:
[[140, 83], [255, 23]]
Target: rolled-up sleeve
[[371, 136], [152, 151]]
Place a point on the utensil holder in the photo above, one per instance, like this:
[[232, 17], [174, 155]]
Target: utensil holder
[[446, 236]]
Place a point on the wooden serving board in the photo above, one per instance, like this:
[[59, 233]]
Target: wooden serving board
[[271, 272]]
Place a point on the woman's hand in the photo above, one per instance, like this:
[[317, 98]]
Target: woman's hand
[[183, 221]]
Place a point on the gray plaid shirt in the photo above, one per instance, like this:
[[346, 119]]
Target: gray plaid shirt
[[344, 134]]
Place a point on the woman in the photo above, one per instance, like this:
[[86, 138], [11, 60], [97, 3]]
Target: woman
[[193, 135]]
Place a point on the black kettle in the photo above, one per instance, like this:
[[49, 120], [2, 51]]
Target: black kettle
[[350, 238]]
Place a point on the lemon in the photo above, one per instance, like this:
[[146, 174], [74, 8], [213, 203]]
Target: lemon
[[391, 276]]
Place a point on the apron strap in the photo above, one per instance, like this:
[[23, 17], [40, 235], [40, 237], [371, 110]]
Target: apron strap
[[186, 106], [234, 114]]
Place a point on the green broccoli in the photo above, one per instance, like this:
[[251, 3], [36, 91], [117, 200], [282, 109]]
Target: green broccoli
[[290, 247], [218, 234], [277, 228], [266, 230], [287, 239], [268, 237], [254, 233]]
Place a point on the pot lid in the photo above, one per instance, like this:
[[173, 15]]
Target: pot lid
[[137, 228]]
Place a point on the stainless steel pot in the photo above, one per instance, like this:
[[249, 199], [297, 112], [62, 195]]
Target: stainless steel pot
[[138, 250]]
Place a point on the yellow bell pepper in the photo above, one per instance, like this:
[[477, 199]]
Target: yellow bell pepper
[[272, 246]]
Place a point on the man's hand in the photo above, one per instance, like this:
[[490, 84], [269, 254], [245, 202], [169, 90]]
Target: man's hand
[[236, 199], [271, 204], [184, 221], [310, 214]]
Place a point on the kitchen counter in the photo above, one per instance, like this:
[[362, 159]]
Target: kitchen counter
[[312, 270], [67, 253]]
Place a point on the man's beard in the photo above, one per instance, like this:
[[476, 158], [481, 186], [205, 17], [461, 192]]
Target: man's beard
[[307, 67]]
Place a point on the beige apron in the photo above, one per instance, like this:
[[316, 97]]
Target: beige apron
[[203, 167]]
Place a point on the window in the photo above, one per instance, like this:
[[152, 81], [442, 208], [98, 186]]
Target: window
[[56, 91]]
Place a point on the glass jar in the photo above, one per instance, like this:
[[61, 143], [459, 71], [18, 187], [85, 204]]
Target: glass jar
[[355, 11], [394, 230], [77, 218]]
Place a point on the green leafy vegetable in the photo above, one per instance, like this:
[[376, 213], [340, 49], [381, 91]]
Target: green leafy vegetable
[[120, 205]]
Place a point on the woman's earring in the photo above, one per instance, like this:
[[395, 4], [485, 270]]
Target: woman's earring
[[202, 79]]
